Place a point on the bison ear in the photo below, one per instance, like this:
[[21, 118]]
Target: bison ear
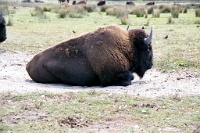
[[149, 38]]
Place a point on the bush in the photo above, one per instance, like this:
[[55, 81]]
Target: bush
[[185, 10], [146, 15], [124, 20], [147, 23], [62, 13], [175, 12], [112, 11], [122, 14], [38, 9], [38, 12], [138, 11], [78, 9], [197, 12], [4, 10], [75, 15], [90, 8], [10, 21], [150, 10], [156, 14], [169, 20], [103, 8], [165, 9], [197, 22], [47, 9]]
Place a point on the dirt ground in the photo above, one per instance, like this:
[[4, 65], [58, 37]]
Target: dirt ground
[[15, 79]]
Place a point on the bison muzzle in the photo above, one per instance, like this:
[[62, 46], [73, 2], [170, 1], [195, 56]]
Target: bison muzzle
[[105, 57]]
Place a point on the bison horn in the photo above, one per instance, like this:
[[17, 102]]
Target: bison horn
[[149, 38]]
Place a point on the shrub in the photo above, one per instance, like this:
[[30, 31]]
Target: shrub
[[47, 9], [119, 13], [38, 12], [165, 9], [122, 14], [146, 15], [147, 23], [62, 13], [197, 12], [90, 8], [138, 11], [10, 21], [169, 20], [112, 11], [175, 12], [103, 8], [197, 22], [75, 15], [38, 9], [150, 10], [156, 14], [78, 9], [124, 20], [4, 10], [12, 12], [185, 10]]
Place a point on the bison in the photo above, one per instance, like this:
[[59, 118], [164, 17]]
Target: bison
[[39, 1], [2, 29], [150, 3], [101, 3], [105, 57], [26, 1], [82, 2], [63, 1], [130, 3]]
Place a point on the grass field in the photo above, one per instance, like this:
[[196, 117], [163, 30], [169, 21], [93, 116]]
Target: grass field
[[31, 30], [94, 111]]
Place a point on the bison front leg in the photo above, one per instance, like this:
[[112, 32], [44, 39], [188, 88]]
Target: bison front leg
[[123, 78], [119, 79]]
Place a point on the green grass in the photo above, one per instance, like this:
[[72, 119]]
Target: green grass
[[39, 112]]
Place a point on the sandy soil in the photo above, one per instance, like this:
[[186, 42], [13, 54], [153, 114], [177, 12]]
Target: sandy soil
[[15, 79]]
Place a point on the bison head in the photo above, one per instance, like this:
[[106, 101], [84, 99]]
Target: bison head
[[2, 29], [143, 54]]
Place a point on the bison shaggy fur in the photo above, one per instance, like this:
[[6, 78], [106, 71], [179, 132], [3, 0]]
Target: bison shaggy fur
[[107, 56]]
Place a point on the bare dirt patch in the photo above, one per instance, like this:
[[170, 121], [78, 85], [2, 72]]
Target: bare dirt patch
[[15, 79], [24, 116]]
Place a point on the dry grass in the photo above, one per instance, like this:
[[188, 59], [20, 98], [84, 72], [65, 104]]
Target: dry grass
[[90, 111]]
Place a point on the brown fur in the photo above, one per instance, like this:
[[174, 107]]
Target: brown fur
[[103, 57]]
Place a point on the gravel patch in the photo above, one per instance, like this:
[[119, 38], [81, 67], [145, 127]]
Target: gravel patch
[[15, 79]]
